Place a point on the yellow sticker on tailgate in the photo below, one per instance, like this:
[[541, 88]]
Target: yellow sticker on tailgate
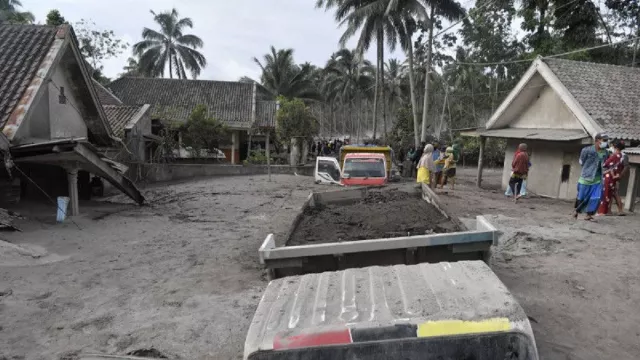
[[460, 327]]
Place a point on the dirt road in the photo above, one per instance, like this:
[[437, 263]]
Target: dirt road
[[182, 275], [579, 281]]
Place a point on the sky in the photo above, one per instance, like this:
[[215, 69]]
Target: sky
[[233, 31]]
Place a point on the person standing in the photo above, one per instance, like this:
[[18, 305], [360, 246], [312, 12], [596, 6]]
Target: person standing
[[449, 171], [612, 171], [590, 183], [438, 165], [519, 171], [416, 158], [426, 166]]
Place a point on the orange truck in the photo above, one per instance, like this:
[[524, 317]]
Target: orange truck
[[362, 165], [364, 169]]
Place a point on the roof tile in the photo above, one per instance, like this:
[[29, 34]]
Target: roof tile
[[609, 93], [175, 99], [22, 49], [120, 115]]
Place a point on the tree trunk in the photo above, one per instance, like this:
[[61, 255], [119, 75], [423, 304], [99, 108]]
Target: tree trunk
[[635, 45], [170, 66], [425, 106], [414, 106], [375, 94], [382, 87]]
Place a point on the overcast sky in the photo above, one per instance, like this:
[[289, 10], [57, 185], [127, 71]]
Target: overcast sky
[[233, 31]]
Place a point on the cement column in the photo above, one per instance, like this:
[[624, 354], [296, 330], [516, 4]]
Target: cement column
[[483, 141], [234, 146], [632, 189], [72, 179]]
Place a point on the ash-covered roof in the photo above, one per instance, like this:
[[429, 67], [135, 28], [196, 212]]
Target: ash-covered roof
[[609, 93], [175, 99], [105, 96], [22, 49], [119, 116]]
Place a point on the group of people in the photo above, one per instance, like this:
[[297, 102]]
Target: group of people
[[326, 148], [435, 164], [603, 165]]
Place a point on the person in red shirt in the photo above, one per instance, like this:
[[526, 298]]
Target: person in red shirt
[[519, 170]]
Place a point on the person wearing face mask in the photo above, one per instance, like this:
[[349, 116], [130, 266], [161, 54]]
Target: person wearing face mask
[[590, 182], [613, 168]]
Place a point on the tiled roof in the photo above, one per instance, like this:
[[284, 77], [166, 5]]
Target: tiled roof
[[536, 134], [22, 49], [175, 99], [609, 93], [105, 96], [266, 114], [120, 115]]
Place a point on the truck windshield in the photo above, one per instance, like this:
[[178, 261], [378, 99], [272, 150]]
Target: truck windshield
[[361, 168]]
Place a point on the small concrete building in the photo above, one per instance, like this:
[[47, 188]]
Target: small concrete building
[[245, 108], [50, 116], [557, 108]]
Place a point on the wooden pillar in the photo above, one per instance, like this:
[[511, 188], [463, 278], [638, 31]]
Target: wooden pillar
[[632, 189], [268, 152], [72, 179], [483, 141], [234, 146]]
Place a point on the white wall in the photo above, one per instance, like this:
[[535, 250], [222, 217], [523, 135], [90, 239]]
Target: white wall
[[547, 111], [65, 119], [547, 160]]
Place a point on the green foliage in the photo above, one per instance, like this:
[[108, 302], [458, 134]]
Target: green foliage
[[9, 13], [97, 45], [257, 157], [282, 77], [494, 151], [295, 120], [170, 48], [202, 132], [132, 69], [55, 19]]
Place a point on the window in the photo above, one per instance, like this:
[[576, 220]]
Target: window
[[364, 168]]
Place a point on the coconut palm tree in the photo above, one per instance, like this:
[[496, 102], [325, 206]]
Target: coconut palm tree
[[370, 19], [282, 77], [10, 14], [170, 48], [395, 75]]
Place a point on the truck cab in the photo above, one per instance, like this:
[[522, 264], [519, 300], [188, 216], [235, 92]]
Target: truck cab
[[364, 169]]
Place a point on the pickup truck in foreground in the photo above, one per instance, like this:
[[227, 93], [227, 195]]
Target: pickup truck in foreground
[[434, 297]]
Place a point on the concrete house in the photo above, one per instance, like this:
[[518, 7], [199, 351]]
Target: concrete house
[[557, 108], [243, 107], [50, 116]]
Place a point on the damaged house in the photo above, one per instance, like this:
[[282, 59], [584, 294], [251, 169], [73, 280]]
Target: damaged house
[[51, 118]]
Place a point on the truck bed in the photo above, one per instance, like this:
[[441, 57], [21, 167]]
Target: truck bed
[[282, 259]]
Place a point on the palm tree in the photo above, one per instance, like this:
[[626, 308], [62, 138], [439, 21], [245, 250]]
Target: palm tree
[[348, 81], [450, 10], [282, 77], [395, 72], [370, 18], [9, 13], [170, 47]]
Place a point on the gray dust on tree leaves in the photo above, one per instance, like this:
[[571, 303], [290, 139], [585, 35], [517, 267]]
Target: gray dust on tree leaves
[[381, 214]]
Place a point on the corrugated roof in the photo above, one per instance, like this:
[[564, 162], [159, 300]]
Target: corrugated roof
[[632, 151], [266, 114], [105, 96], [120, 115], [380, 296], [609, 93], [22, 49], [175, 99], [536, 134]]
